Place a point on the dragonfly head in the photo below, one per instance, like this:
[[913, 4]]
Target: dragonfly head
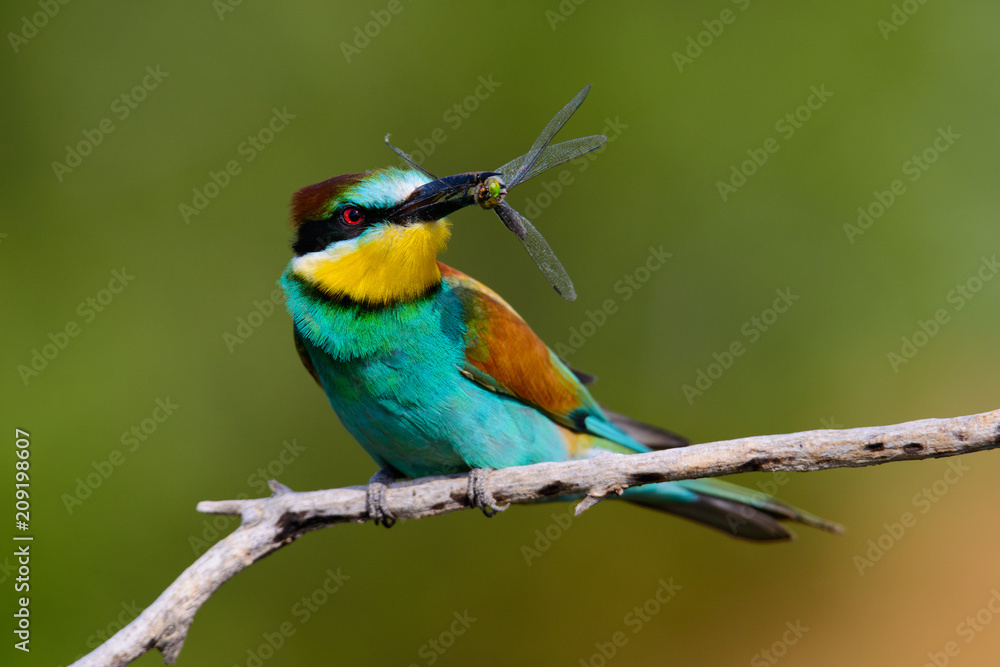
[[374, 237], [491, 192]]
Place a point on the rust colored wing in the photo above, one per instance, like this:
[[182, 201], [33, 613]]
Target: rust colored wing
[[504, 355]]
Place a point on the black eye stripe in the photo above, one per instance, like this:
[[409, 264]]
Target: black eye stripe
[[314, 235]]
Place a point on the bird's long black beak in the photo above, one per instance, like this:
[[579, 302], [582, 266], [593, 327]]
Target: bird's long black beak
[[446, 195]]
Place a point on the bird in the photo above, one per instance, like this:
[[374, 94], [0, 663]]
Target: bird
[[434, 373]]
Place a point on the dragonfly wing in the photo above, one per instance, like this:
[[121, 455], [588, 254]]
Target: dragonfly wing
[[547, 133], [539, 249], [511, 219], [552, 156], [407, 159]]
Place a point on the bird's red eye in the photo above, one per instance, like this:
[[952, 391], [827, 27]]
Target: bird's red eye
[[351, 216]]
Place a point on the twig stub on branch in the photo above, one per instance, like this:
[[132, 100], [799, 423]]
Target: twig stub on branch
[[270, 523]]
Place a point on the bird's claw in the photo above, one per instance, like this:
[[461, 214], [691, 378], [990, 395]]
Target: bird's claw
[[480, 496], [378, 510]]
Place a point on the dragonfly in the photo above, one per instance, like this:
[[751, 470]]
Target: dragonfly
[[490, 188]]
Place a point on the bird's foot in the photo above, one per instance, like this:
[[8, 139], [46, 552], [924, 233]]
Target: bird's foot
[[480, 496], [377, 508]]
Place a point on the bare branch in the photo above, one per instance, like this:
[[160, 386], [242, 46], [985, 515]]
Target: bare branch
[[270, 523]]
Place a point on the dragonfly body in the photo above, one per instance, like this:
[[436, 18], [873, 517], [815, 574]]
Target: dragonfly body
[[492, 187]]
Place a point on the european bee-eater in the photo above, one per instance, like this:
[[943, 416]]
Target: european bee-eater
[[434, 373]]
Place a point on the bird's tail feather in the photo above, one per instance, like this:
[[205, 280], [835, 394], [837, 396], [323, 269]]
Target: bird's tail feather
[[732, 509]]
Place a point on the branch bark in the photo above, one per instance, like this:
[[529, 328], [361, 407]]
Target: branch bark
[[270, 523]]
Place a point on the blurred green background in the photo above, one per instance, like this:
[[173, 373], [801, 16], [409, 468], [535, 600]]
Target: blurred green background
[[246, 411]]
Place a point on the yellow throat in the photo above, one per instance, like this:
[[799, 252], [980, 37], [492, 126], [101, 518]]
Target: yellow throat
[[389, 264]]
